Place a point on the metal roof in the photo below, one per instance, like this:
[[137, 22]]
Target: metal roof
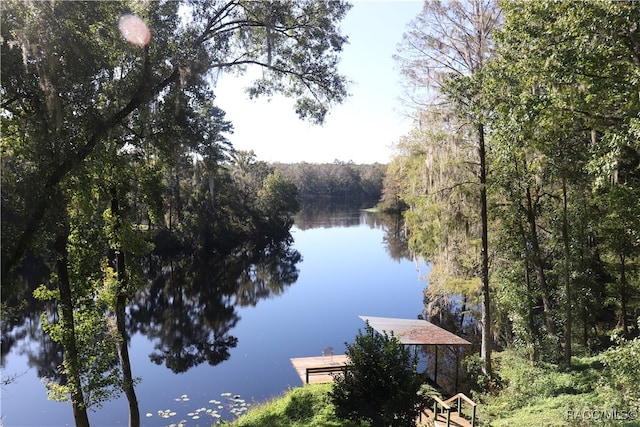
[[414, 331]]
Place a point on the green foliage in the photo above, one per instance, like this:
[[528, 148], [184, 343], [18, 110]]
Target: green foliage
[[69, 89], [45, 294], [390, 200], [623, 375], [427, 392], [544, 393], [278, 195], [559, 137], [447, 47], [96, 339], [381, 384], [277, 202], [557, 91], [338, 181]]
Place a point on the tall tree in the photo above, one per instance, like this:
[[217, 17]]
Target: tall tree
[[443, 54], [438, 187]]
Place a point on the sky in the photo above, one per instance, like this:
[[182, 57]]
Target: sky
[[364, 128]]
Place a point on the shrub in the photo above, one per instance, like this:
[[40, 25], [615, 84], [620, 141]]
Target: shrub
[[381, 383], [623, 375]]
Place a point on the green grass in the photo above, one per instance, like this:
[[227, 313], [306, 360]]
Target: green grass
[[542, 394], [308, 406]]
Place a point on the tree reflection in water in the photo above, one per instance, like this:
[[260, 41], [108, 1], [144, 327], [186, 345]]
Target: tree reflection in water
[[189, 308], [191, 293]]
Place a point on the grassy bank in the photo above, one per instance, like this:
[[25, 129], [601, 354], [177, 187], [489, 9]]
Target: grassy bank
[[542, 394], [307, 406], [547, 394]]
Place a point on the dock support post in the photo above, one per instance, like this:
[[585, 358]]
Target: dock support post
[[435, 372], [457, 350]]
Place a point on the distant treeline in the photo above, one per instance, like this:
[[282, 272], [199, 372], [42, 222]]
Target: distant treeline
[[337, 181]]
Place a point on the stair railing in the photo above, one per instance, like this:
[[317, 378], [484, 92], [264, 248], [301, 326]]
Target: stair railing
[[459, 398], [440, 407]]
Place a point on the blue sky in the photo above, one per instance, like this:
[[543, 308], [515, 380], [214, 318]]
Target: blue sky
[[364, 128]]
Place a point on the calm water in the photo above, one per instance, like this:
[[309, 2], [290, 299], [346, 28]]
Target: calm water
[[352, 265]]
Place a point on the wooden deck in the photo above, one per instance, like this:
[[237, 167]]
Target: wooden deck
[[301, 364]]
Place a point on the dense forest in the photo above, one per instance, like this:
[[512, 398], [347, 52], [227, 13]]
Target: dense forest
[[337, 182], [521, 177]]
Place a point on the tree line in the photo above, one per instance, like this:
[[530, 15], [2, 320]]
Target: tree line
[[358, 184], [114, 153], [521, 177]]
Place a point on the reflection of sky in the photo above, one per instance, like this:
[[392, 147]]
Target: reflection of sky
[[345, 272]]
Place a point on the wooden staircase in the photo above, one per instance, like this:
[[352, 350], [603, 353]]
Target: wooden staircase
[[448, 413]]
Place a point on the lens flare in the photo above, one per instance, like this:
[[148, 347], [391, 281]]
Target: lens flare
[[134, 30]]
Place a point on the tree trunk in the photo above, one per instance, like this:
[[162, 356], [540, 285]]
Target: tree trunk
[[538, 264], [567, 281], [585, 328], [623, 295], [485, 351], [463, 309], [533, 353], [123, 343], [69, 344], [212, 189], [123, 349]]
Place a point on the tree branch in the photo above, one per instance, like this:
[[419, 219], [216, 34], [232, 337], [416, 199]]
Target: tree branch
[[73, 161]]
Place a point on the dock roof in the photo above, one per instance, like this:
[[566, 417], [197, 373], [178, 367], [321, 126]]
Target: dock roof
[[414, 331]]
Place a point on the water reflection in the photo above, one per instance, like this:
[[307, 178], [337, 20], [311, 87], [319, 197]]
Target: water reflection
[[327, 213], [314, 216], [395, 238], [20, 313], [46, 355], [189, 309], [190, 306], [318, 215]]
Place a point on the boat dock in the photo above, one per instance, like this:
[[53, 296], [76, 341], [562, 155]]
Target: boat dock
[[319, 369], [416, 332]]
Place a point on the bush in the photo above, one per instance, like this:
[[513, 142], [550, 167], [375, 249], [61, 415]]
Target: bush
[[381, 384], [623, 375]]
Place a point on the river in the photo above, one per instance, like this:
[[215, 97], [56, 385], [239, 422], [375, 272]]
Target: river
[[352, 264]]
